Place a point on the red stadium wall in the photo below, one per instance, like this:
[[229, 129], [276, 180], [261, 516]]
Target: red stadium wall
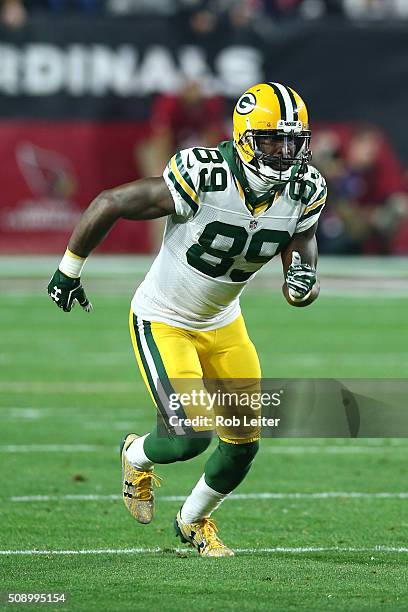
[[52, 170]]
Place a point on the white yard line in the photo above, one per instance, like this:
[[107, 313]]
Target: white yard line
[[115, 419], [96, 358], [106, 266], [65, 387], [234, 496], [51, 448], [279, 449], [276, 549], [341, 450]]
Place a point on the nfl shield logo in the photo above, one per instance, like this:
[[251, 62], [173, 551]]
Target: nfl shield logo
[[253, 224]]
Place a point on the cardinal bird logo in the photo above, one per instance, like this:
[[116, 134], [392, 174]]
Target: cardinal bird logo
[[47, 173], [49, 205]]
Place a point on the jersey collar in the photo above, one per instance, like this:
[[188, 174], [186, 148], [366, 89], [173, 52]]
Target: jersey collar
[[227, 150]]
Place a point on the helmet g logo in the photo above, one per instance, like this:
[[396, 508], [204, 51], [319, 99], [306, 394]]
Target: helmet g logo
[[246, 103]]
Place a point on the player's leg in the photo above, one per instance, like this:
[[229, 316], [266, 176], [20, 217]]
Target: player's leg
[[233, 357], [166, 355], [163, 353]]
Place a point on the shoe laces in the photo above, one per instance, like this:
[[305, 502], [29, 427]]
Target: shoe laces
[[143, 484], [209, 529]]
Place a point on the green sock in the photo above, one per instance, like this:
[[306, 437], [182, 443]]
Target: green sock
[[228, 465], [164, 448]]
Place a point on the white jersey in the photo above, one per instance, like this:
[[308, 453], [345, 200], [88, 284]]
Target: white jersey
[[215, 242]]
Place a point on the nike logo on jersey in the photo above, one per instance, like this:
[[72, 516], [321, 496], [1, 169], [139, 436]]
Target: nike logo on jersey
[[188, 162]]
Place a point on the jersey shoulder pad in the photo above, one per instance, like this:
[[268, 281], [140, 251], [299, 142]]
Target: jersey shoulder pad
[[317, 188], [182, 177], [189, 176], [312, 173], [313, 199]]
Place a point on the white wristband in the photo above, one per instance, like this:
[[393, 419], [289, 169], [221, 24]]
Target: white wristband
[[72, 264]]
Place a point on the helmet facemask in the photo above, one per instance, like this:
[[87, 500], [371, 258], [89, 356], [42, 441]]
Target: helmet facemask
[[276, 152]]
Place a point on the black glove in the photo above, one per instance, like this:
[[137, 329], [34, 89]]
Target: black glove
[[300, 278], [65, 291]]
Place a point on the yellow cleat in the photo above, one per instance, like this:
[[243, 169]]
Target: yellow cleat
[[202, 535], [138, 494]]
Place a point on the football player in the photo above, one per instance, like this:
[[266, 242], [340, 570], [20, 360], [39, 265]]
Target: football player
[[229, 210]]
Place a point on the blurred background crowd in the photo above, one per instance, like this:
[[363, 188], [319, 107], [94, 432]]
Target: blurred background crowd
[[204, 14], [367, 210]]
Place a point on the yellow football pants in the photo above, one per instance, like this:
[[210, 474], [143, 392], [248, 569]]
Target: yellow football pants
[[174, 361]]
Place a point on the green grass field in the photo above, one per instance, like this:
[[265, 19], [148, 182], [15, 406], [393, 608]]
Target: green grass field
[[69, 390]]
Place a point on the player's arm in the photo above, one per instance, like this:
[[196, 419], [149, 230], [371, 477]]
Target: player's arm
[[147, 198], [299, 259]]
